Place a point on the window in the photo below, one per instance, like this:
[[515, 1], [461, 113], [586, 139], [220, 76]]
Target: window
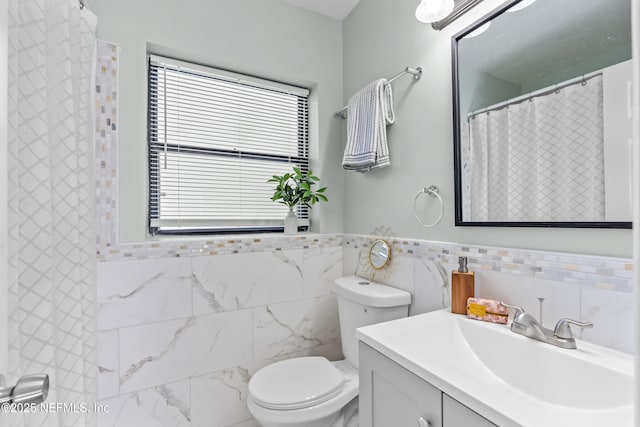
[[214, 139]]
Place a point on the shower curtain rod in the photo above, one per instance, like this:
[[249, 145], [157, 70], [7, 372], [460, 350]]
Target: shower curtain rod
[[416, 72], [529, 96]]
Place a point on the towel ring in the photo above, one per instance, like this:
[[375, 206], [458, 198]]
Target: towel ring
[[433, 191]]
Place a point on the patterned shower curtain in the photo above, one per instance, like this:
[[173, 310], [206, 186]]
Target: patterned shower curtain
[[538, 160], [51, 205]]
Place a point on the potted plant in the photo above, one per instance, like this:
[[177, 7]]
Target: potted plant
[[293, 189]]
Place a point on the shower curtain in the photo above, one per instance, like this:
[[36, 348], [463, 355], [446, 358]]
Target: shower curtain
[[538, 160], [51, 205]]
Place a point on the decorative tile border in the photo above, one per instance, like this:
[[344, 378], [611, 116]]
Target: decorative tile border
[[106, 143], [584, 270], [169, 248]]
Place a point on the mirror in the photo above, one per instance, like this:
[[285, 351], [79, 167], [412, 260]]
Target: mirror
[[542, 115], [379, 254]]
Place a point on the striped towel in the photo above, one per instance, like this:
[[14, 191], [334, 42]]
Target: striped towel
[[369, 113]]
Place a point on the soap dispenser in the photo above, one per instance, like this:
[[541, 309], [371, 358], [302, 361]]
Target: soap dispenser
[[462, 287]]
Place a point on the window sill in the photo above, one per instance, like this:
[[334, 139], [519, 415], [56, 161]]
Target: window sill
[[224, 237]]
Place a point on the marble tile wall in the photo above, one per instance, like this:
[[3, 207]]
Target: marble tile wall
[[180, 337], [588, 288]]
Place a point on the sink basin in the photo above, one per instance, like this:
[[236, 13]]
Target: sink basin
[[554, 375], [510, 379]]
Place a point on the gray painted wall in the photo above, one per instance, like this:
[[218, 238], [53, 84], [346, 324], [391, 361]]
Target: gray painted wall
[[274, 39], [267, 38], [380, 38]]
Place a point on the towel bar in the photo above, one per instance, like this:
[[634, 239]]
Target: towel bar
[[416, 72]]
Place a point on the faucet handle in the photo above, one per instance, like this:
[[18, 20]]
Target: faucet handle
[[519, 310], [562, 329]]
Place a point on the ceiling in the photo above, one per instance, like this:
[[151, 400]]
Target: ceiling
[[337, 9]]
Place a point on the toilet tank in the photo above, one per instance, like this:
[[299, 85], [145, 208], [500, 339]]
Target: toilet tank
[[362, 303]]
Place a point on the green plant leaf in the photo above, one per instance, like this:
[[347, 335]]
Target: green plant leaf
[[295, 188]]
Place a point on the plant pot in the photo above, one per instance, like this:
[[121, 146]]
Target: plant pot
[[291, 223]]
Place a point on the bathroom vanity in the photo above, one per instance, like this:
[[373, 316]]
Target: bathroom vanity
[[392, 395], [444, 370]]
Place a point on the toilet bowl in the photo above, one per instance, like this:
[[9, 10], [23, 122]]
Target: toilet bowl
[[311, 391]]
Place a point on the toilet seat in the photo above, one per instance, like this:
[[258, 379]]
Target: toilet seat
[[320, 414], [296, 383]]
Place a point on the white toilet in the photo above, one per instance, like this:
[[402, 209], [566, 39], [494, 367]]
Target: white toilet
[[313, 392]]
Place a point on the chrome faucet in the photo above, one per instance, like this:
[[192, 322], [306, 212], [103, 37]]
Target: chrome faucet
[[527, 325]]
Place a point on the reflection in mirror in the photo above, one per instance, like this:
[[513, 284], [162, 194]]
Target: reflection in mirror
[[542, 123], [379, 254]]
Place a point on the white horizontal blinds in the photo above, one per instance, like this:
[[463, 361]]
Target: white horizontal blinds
[[215, 138]]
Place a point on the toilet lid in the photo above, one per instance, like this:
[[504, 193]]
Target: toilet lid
[[296, 383]]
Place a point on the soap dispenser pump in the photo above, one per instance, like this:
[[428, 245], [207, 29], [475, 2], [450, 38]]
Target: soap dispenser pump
[[462, 287]]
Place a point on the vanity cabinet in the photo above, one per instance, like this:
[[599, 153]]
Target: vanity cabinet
[[455, 414], [390, 395]]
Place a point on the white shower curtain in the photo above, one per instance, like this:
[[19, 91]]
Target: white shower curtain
[[538, 160], [51, 205]]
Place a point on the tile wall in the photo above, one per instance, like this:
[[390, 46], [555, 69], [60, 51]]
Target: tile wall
[[588, 288], [179, 337]]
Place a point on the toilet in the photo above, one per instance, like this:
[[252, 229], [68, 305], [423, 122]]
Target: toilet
[[313, 392]]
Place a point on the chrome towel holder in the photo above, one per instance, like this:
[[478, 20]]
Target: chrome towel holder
[[432, 191], [415, 72]]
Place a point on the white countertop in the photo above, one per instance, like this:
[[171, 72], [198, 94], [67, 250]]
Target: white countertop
[[438, 348]]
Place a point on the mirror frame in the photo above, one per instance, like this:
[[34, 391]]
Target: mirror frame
[[387, 259], [457, 157]]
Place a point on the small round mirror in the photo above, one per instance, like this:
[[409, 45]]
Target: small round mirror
[[379, 254]]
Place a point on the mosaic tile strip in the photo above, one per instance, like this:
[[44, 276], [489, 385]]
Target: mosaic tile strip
[[222, 245], [106, 143], [584, 270]]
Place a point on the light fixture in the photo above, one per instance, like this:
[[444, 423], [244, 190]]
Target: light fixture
[[433, 10]]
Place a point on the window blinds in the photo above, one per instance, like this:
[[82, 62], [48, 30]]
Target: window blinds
[[214, 139]]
